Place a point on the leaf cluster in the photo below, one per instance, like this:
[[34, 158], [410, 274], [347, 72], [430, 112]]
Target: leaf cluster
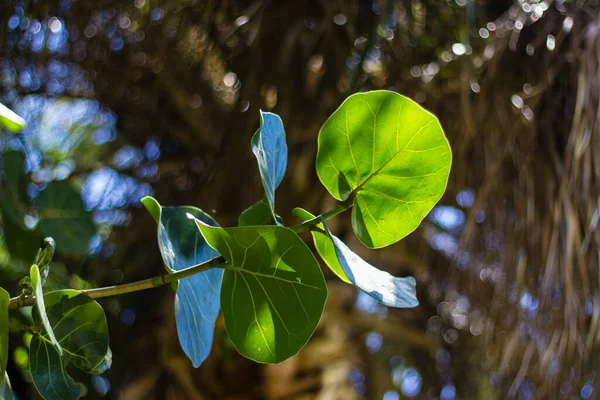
[[380, 154]]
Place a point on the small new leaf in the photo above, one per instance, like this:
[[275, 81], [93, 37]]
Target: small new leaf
[[270, 149], [383, 287], [40, 307]]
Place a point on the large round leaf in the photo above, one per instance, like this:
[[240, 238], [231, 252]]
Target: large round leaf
[[79, 324], [273, 290], [392, 156]]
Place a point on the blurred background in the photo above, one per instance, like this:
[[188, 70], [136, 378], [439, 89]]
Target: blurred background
[[130, 98]]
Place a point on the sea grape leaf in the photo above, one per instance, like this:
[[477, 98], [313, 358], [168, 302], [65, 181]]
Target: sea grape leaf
[[4, 303], [273, 289], [323, 244], [270, 149], [79, 324], [65, 218], [104, 365], [6, 389], [153, 207], [40, 307], [10, 120], [259, 214], [391, 155], [383, 287], [197, 297], [48, 372]]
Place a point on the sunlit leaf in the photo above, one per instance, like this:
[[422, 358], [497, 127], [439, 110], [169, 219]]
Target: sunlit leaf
[[273, 290], [79, 324], [270, 149], [197, 301], [323, 244], [153, 207], [259, 214], [4, 303], [392, 156], [65, 219], [48, 372], [6, 389], [383, 287], [10, 120], [40, 307]]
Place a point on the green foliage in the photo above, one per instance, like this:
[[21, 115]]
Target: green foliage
[[380, 153], [257, 214], [36, 283], [383, 287], [323, 245], [197, 297], [48, 371], [273, 290], [390, 155], [270, 149], [79, 324]]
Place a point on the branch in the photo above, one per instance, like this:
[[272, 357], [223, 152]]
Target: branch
[[28, 300]]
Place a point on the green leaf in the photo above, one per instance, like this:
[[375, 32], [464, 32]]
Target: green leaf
[[65, 219], [153, 207], [40, 307], [6, 389], [104, 365], [273, 289], [383, 287], [4, 303], [48, 372], [270, 149], [323, 244], [197, 302], [392, 156], [259, 214], [79, 324], [11, 120]]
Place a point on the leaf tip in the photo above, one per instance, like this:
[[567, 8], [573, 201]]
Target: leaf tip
[[153, 207]]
